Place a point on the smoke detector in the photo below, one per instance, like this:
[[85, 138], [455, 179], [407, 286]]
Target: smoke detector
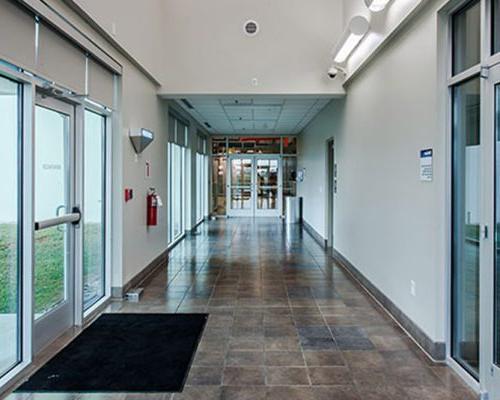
[[251, 28]]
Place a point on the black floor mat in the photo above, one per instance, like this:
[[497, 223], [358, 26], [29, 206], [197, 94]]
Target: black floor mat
[[124, 353]]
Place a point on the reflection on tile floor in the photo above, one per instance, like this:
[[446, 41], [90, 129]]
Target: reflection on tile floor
[[285, 323]]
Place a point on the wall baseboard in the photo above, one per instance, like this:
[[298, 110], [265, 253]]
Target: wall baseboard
[[141, 277], [436, 350], [314, 234]]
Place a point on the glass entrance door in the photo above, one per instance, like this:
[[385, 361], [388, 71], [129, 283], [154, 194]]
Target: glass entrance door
[[255, 186], [241, 189], [267, 187], [55, 216]]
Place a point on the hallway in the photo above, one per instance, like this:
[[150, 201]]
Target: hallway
[[285, 322]]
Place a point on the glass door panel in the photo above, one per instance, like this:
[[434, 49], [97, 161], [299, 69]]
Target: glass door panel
[[52, 193], [10, 227], [241, 189], [268, 184], [466, 214], [54, 250], [93, 205], [219, 185]]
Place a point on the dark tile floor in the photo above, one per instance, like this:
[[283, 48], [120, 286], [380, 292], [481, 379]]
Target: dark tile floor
[[285, 323]]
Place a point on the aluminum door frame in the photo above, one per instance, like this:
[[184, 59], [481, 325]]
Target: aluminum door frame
[[51, 325]]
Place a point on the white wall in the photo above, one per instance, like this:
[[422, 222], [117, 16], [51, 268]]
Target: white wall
[[388, 223], [382, 26], [208, 53], [198, 47], [137, 26]]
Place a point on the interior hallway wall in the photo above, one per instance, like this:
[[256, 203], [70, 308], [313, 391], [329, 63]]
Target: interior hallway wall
[[388, 223], [135, 25]]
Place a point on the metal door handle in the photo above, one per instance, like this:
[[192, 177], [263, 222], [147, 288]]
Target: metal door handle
[[73, 218]]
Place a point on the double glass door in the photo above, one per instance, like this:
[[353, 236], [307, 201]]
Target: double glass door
[[254, 186]]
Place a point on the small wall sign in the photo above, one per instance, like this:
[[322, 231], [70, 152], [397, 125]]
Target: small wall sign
[[426, 169]]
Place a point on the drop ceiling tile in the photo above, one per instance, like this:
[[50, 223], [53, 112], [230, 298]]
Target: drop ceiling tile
[[268, 101], [264, 124], [237, 101], [266, 113], [243, 124], [250, 114]]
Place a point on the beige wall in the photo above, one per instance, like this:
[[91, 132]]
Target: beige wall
[[137, 26], [194, 46], [388, 223]]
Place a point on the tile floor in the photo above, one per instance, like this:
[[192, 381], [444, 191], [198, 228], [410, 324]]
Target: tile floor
[[285, 323]]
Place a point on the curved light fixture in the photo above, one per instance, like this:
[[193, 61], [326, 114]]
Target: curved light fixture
[[376, 5], [355, 32]]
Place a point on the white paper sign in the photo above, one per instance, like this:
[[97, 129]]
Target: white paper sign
[[426, 170]]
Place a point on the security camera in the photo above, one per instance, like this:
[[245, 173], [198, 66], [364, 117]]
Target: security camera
[[334, 71]]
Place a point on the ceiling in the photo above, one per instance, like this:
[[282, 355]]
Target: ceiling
[[253, 114]]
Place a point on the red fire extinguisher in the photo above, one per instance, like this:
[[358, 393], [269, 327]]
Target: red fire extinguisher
[[152, 208]]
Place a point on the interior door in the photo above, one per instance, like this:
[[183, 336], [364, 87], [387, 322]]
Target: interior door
[[55, 216], [268, 187], [240, 193]]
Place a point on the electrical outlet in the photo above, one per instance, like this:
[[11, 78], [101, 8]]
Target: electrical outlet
[[413, 288]]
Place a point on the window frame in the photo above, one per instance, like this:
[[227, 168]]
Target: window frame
[[106, 211]]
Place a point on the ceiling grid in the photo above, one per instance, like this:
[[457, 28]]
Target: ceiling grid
[[267, 115]]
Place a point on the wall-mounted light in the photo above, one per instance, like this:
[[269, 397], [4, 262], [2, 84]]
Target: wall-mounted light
[[356, 30], [376, 5]]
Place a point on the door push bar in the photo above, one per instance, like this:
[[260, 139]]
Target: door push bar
[[74, 218]]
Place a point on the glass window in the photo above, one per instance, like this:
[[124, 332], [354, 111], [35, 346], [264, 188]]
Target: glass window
[[219, 185], [289, 177], [466, 209], [94, 208], [176, 156], [466, 37], [289, 145], [10, 227], [200, 187], [219, 145], [495, 26], [254, 145]]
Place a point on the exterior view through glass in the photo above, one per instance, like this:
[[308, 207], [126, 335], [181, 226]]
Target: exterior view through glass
[[10, 226], [93, 208], [466, 37], [52, 150], [175, 191], [466, 209]]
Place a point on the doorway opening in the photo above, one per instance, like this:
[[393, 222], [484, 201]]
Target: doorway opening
[[331, 186]]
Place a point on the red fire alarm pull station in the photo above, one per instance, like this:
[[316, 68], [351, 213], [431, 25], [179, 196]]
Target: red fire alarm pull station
[[129, 194]]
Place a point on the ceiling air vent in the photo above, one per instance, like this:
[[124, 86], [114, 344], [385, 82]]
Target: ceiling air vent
[[251, 28]]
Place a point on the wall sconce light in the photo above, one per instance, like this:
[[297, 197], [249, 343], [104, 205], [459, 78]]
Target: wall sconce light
[[355, 32], [376, 5]]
